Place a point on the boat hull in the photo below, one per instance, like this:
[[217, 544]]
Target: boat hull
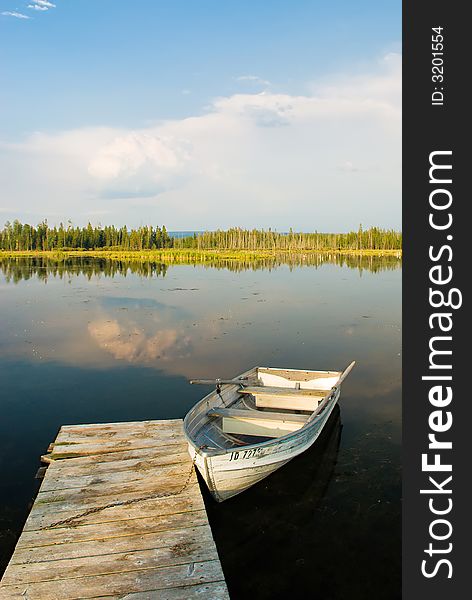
[[230, 473]]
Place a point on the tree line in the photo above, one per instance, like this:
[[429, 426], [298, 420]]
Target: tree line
[[373, 238], [20, 237]]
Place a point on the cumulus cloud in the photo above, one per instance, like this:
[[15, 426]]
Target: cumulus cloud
[[248, 160], [140, 163], [17, 15]]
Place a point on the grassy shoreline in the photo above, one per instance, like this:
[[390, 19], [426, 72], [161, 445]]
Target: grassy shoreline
[[174, 255]]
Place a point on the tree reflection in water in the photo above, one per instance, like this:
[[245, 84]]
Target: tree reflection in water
[[23, 268]]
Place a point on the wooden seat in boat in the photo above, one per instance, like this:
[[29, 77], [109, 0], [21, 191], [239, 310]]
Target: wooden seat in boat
[[238, 413], [286, 398], [296, 375], [281, 391], [258, 423]]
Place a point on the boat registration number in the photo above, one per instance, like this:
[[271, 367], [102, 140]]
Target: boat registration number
[[241, 454]]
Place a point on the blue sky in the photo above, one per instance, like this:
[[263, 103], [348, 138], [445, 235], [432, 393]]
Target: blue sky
[[105, 105]]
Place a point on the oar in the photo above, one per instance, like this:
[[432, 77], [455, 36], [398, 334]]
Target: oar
[[345, 373], [239, 381]]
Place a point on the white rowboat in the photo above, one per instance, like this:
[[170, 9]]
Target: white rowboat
[[252, 425]]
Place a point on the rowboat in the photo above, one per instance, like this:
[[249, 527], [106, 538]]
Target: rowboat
[[253, 424], [283, 504]]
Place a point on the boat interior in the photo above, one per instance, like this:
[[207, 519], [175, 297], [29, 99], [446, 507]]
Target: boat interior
[[260, 405]]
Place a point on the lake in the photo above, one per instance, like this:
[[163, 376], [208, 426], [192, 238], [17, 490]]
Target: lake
[[87, 340]]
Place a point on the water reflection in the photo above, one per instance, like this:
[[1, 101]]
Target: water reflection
[[263, 532], [18, 269], [110, 341], [132, 343], [199, 323]]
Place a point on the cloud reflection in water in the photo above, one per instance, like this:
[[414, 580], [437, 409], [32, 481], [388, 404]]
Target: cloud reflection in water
[[131, 343]]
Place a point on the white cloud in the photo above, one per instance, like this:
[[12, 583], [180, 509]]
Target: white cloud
[[253, 79], [249, 160], [17, 15], [126, 155], [42, 5], [138, 164]]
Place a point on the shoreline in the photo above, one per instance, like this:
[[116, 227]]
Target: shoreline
[[171, 254]]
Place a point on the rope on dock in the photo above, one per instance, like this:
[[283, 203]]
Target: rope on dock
[[97, 509]]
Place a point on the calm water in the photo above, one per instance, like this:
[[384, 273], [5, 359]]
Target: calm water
[[91, 341]]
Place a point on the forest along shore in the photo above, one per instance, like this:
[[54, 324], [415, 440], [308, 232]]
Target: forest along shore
[[155, 243]]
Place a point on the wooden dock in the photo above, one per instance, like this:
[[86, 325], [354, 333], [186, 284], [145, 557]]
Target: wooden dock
[[153, 541]]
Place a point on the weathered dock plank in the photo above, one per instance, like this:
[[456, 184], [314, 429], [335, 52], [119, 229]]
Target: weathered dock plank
[[154, 541], [45, 515], [157, 579]]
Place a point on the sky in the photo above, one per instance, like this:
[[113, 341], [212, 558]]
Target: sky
[[201, 115]]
